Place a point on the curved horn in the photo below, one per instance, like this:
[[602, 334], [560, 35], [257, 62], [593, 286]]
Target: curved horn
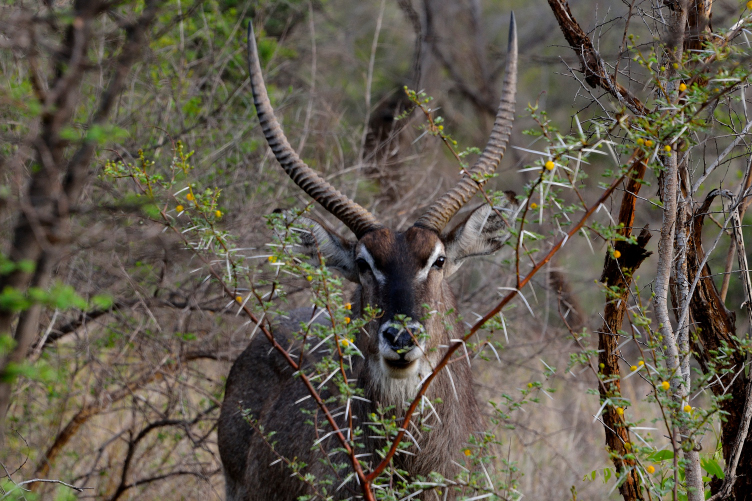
[[359, 220], [439, 214]]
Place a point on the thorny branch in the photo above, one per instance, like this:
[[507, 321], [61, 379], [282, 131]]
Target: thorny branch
[[480, 323]]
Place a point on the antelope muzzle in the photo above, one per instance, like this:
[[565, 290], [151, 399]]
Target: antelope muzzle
[[401, 345]]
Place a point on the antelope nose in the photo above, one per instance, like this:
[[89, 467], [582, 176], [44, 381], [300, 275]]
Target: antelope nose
[[391, 333], [398, 339]]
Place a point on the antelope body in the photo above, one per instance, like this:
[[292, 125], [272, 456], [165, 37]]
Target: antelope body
[[403, 274]]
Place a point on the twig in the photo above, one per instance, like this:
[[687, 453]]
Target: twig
[[720, 158], [19, 486]]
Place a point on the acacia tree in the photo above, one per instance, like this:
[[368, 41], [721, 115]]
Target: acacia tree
[[693, 74]]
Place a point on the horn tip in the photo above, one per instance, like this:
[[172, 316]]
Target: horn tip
[[512, 31]]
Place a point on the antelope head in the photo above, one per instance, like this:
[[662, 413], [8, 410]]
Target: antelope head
[[400, 272]]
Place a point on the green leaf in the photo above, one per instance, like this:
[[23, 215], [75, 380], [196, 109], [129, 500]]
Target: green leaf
[[101, 301], [12, 299], [192, 107], [69, 133], [37, 372], [7, 343], [711, 466], [151, 210], [661, 455], [26, 265], [106, 133]]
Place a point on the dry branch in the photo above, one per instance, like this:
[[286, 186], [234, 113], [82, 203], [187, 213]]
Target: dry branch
[[593, 66], [103, 402]]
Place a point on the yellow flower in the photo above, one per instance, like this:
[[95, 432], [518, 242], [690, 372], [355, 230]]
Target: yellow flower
[[468, 452], [344, 342], [665, 385], [617, 254], [530, 385], [239, 299], [667, 147], [190, 197], [602, 366], [533, 206], [272, 259], [648, 143], [640, 140], [347, 320], [218, 213], [441, 127], [687, 408], [682, 87], [309, 278], [676, 66], [650, 469], [550, 165], [620, 411], [749, 5], [633, 368], [179, 208], [640, 363], [348, 306]]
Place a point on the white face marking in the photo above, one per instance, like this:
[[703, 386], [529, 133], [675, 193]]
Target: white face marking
[[399, 389], [364, 254], [423, 273], [400, 385]]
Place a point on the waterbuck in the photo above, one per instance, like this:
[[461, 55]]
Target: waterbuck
[[403, 274]]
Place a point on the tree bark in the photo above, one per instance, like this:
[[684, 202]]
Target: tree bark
[[617, 275], [715, 328]]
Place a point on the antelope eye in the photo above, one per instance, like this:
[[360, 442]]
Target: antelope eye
[[439, 263], [363, 266]]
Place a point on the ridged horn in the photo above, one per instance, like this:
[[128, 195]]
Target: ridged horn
[[355, 217], [439, 214]]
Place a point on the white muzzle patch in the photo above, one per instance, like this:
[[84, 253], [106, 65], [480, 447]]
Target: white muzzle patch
[[401, 363]]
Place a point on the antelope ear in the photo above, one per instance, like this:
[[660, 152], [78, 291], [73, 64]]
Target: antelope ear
[[317, 239], [481, 233]]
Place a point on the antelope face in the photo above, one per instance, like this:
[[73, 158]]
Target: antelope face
[[403, 275]]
